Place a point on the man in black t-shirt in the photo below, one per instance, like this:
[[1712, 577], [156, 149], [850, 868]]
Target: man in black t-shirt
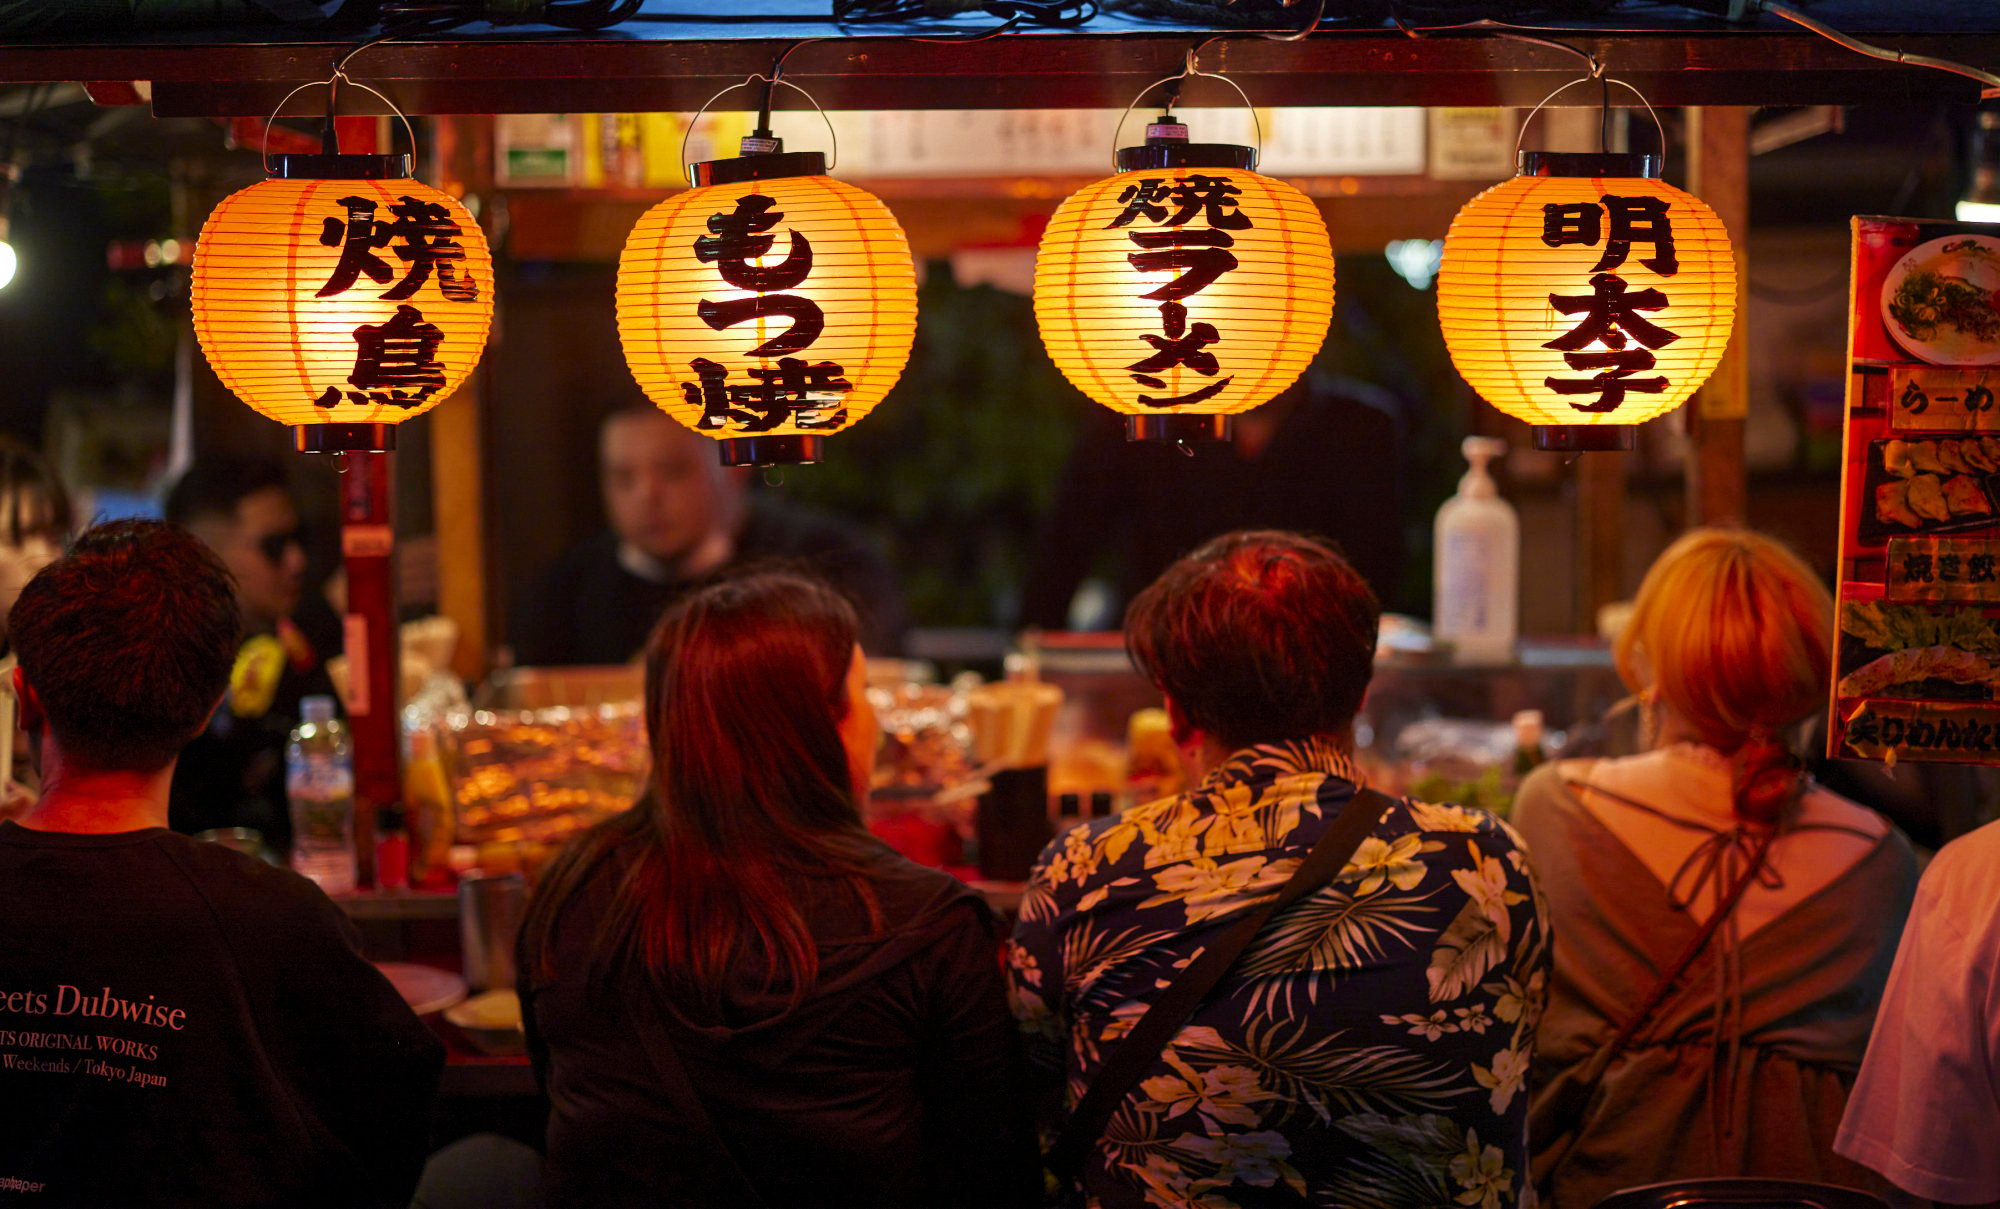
[[180, 1025], [677, 516]]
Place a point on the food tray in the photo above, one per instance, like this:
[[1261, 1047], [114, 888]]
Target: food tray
[[1874, 531]]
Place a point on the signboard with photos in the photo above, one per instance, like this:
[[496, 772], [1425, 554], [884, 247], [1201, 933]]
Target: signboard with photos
[[1917, 654]]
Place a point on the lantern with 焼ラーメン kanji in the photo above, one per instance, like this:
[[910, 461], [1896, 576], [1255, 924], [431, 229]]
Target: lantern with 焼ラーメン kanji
[[342, 297], [1185, 289], [769, 307], [1586, 296]]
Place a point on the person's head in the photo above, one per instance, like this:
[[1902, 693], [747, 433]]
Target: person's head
[[243, 509], [665, 491], [125, 643], [1258, 637], [1733, 633], [35, 520]]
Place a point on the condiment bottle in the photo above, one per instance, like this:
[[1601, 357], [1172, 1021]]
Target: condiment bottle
[[1477, 564]]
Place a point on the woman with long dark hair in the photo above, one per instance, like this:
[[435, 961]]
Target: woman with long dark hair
[[734, 995]]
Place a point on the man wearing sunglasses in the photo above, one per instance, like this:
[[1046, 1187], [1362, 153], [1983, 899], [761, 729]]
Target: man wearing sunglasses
[[233, 774]]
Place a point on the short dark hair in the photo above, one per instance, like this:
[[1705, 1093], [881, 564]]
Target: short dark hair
[[39, 505], [128, 641], [1259, 637], [213, 487]]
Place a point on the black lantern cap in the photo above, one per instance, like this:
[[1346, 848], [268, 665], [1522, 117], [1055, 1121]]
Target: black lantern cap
[[1585, 438], [1575, 163], [344, 438], [790, 449], [1180, 429], [1187, 155], [339, 167], [760, 167]]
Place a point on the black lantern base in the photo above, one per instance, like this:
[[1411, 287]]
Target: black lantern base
[[788, 450], [1585, 438], [344, 438], [1179, 429]]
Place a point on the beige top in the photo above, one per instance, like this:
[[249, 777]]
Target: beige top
[[1744, 1068]]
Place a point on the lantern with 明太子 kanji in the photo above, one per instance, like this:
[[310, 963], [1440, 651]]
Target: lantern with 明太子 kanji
[[1185, 289], [769, 307], [1586, 296], [342, 296]]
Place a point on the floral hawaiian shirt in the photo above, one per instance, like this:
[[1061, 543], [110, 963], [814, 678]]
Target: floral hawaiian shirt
[[1371, 1046]]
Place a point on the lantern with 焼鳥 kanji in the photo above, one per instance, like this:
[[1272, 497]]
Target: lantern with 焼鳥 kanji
[[1185, 289], [768, 307], [1586, 296], [342, 296]]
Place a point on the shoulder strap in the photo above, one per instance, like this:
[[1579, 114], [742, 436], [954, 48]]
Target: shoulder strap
[[731, 1180], [1664, 987], [1149, 1037]]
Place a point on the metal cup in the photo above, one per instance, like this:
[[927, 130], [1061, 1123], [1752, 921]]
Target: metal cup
[[489, 916]]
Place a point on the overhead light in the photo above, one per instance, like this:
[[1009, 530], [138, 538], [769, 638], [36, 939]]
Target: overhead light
[[1415, 260], [8, 261]]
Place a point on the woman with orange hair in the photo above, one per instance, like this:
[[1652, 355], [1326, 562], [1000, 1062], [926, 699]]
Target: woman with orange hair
[[1723, 925]]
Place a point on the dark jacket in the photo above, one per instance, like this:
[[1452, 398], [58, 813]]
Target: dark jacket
[[894, 1084], [588, 609]]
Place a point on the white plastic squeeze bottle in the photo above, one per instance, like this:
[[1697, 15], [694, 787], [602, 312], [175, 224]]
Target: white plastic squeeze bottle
[[1477, 570]]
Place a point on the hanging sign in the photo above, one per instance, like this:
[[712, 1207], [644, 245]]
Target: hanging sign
[[1917, 664]]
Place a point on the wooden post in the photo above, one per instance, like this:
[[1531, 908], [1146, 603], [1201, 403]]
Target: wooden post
[[372, 646], [1718, 139], [463, 154]]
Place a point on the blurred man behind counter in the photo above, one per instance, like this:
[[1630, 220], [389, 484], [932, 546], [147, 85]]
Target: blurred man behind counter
[[677, 516]]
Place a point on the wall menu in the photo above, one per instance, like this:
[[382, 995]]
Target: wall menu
[[1916, 671]]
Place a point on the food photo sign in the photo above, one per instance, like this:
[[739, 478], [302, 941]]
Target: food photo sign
[[1917, 662]]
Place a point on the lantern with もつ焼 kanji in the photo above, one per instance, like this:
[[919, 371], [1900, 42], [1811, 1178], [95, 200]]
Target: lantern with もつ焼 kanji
[[342, 297], [1586, 296], [769, 307]]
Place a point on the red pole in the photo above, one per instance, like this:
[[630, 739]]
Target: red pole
[[367, 545]]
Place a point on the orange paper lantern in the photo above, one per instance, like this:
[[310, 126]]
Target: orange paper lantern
[[1184, 289], [342, 297], [769, 307], [1586, 296]]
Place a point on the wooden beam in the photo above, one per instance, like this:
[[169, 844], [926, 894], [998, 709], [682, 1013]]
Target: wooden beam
[[644, 69], [1719, 173]]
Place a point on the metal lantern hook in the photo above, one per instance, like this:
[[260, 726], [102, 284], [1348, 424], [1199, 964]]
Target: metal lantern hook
[[332, 83], [773, 80], [1190, 71], [1597, 76]]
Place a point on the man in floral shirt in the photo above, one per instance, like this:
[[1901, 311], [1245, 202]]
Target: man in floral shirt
[[1369, 1049]]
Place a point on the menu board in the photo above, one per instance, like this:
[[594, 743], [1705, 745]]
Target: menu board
[[1917, 663]]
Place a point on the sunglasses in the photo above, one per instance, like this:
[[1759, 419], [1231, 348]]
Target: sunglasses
[[273, 545]]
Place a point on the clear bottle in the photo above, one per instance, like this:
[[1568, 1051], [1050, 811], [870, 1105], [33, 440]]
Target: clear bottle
[[319, 781], [1477, 564], [1529, 753]]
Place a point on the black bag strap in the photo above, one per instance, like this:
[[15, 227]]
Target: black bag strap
[[734, 1183], [1148, 1038]]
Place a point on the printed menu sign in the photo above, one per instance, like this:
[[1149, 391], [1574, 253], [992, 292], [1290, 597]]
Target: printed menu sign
[[1917, 659]]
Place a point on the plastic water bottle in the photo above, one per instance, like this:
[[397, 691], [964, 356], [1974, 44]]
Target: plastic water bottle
[[319, 781]]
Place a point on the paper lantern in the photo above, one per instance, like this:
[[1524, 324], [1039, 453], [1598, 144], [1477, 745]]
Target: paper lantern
[[1184, 289], [342, 297], [769, 307], [1586, 296]]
